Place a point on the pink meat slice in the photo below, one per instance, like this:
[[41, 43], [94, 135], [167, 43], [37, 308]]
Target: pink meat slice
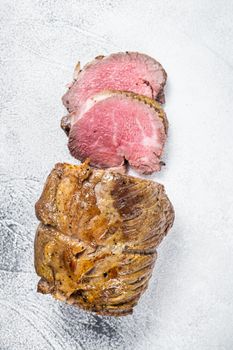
[[117, 126], [130, 71]]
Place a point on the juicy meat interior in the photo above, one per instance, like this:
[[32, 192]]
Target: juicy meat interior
[[96, 244], [112, 127], [130, 71]]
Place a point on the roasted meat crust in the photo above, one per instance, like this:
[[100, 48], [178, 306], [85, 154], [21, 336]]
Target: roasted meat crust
[[95, 247]]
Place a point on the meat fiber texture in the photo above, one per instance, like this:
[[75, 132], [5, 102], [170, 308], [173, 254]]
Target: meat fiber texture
[[130, 71], [95, 247], [113, 127]]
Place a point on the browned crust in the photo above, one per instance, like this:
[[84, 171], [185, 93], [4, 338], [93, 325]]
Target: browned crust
[[96, 245], [65, 124]]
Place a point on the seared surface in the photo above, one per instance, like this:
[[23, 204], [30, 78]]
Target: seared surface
[[96, 244]]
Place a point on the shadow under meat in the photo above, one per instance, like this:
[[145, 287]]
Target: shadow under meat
[[89, 330]]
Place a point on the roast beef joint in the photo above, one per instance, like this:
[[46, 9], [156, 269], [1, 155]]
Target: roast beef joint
[[95, 246], [96, 243]]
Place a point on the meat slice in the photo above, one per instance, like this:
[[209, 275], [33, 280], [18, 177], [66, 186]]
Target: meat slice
[[96, 244], [114, 126], [130, 71]]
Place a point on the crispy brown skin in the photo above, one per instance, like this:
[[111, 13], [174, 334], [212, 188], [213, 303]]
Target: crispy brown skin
[[96, 244]]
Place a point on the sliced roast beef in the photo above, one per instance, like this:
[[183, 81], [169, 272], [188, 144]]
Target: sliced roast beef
[[116, 126], [130, 71], [96, 244]]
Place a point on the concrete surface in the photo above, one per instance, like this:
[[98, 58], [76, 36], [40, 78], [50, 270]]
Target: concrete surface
[[189, 303]]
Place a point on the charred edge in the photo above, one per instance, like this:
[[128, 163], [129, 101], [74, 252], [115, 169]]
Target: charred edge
[[140, 251], [66, 124], [99, 57], [126, 204], [161, 96], [162, 163], [103, 309], [124, 305], [44, 287]]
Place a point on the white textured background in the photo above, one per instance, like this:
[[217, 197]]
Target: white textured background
[[189, 304]]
